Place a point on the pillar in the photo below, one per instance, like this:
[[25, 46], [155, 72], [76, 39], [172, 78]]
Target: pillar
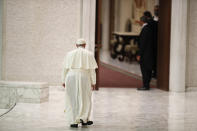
[[88, 13], [178, 45], [1, 36]]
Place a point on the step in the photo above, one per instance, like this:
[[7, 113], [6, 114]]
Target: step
[[22, 92]]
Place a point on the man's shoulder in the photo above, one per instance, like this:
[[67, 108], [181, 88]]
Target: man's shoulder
[[84, 51], [145, 28], [148, 27], [69, 53], [87, 51], [72, 51]]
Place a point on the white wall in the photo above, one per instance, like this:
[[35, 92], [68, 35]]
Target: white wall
[[125, 13], [1, 34], [38, 35], [122, 13], [191, 76], [117, 15], [150, 5]]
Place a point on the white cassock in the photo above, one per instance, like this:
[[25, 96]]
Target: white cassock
[[78, 75]]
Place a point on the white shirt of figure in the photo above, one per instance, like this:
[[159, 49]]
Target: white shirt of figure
[[144, 25], [156, 18]]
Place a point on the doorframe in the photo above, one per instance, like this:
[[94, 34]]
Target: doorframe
[[176, 80], [163, 45]]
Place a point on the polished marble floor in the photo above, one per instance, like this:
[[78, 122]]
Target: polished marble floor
[[114, 109]]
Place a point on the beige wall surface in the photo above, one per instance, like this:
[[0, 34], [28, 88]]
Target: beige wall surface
[[1, 34], [191, 76], [124, 10], [38, 35], [125, 13]]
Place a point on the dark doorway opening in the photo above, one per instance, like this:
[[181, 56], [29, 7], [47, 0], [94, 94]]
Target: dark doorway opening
[[164, 31]]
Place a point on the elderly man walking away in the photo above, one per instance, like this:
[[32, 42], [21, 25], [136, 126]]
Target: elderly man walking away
[[79, 78]]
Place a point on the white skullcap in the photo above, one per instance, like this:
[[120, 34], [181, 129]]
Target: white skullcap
[[80, 41]]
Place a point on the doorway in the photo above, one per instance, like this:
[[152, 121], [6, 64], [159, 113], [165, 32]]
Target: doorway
[[163, 37]]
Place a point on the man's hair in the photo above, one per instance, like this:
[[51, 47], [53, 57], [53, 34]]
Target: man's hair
[[148, 14], [144, 19]]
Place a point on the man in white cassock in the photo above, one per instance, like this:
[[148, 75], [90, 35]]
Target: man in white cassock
[[79, 78]]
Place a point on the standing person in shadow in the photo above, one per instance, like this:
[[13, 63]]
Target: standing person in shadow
[[146, 52]]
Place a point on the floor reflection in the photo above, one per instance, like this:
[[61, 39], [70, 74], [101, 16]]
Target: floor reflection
[[114, 109], [176, 110]]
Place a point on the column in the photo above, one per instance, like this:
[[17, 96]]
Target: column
[[105, 24], [88, 13], [1, 36], [178, 45]]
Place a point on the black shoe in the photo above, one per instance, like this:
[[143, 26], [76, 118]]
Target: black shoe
[[88, 122], [74, 125], [82, 122], [143, 88]]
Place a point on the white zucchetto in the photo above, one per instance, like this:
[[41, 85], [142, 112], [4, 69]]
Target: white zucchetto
[[80, 41]]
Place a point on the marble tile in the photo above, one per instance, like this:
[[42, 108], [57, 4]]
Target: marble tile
[[28, 92], [114, 109], [33, 95], [7, 97]]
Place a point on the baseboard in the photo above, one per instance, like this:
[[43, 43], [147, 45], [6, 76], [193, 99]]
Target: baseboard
[[191, 89]]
